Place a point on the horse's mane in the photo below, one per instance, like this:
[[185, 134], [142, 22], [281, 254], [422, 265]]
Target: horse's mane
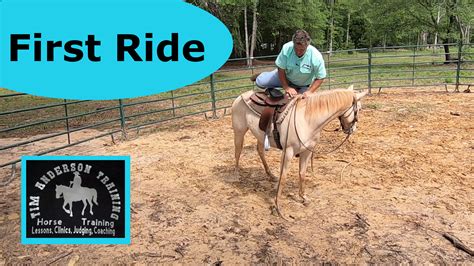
[[328, 101]]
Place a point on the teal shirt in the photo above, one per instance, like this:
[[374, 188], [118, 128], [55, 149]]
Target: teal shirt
[[301, 71]]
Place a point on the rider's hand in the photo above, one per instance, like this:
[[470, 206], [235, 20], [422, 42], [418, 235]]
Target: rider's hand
[[306, 94], [291, 91]]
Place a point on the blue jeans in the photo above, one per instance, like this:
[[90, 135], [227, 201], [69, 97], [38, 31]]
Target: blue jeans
[[271, 80]]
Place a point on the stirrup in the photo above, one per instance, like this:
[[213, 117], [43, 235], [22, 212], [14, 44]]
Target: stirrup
[[266, 142]]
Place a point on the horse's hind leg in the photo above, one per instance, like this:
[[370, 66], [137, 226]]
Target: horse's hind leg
[[90, 206], [239, 134], [261, 153], [304, 159]]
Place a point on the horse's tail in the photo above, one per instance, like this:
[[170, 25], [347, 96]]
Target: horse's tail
[[94, 196]]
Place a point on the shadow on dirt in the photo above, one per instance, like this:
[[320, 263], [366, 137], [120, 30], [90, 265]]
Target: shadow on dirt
[[251, 180]]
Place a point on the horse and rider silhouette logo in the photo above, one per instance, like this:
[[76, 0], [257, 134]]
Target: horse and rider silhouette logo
[[75, 192]]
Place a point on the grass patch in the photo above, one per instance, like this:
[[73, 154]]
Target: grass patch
[[373, 106]]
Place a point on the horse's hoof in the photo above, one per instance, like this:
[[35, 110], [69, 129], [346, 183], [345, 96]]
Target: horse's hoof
[[237, 172], [272, 177], [273, 210], [305, 200], [276, 211], [294, 197], [233, 178]]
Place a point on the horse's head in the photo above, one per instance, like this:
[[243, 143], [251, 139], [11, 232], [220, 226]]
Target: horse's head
[[59, 191], [350, 117]]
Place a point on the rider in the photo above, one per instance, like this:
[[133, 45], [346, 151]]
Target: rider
[[76, 183], [300, 67]]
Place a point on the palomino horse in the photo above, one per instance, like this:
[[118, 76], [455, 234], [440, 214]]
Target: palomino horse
[[299, 130], [84, 194]]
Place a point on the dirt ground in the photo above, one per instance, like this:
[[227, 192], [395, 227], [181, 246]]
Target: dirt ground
[[410, 180]]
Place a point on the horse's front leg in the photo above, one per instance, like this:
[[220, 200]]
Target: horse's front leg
[[304, 159], [64, 207], [85, 205], [284, 167], [70, 209]]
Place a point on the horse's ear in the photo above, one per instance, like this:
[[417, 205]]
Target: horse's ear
[[360, 95], [351, 87]]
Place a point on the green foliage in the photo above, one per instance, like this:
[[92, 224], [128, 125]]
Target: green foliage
[[350, 23]]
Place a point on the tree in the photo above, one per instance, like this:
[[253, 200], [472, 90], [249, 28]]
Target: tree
[[447, 19], [254, 31], [261, 27]]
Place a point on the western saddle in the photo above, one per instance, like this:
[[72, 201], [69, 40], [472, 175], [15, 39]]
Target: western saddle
[[269, 104]]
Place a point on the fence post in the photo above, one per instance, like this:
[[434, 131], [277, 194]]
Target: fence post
[[67, 122], [251, 75], [458, 67], [122, 119], [172, 104], [329, 69], [369, 70], [413, 69], [213, 97]]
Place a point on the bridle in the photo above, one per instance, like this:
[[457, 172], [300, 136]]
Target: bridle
[[354, 110]]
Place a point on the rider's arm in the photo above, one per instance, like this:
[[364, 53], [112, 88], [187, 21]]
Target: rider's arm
[[284, 82], [315, 85], [283, 79]]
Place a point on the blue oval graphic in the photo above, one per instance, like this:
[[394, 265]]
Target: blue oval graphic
[[101, 50]]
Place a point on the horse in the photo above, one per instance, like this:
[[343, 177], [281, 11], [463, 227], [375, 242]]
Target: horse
[[299, 129], [70, 195]]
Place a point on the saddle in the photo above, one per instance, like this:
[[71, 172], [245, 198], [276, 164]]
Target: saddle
[[270, 104]]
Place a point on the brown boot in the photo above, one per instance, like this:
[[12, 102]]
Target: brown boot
[[254, 76]]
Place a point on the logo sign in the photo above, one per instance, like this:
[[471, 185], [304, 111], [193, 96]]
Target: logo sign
[[75, 200], [103, 50]]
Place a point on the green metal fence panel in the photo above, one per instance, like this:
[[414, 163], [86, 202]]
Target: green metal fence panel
[[27, 119]]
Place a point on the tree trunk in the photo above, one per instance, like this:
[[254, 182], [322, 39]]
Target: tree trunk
[[451, 21], [464, 30], [247, 52], [331, 28], [447, 57], [254, 31], [468, 35], [418, 37], [425, 38], [438, 18], [347, 31]]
